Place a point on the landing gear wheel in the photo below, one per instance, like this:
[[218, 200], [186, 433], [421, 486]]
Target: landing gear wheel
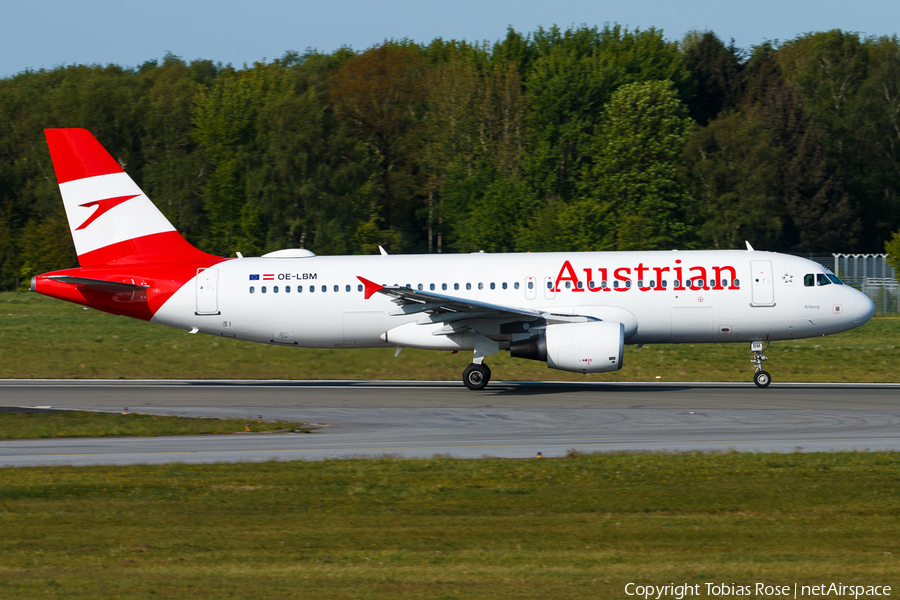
[[476, 376], [762, 379]]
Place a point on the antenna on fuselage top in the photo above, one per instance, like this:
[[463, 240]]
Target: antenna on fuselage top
[[383, 251], [749, 247]]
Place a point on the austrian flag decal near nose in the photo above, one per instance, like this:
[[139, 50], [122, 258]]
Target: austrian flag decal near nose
[[268, 277]]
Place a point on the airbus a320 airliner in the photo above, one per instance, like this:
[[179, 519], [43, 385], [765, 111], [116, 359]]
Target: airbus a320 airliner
[[573, 310]]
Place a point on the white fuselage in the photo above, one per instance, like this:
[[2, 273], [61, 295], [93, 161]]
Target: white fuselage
[[734, 296]]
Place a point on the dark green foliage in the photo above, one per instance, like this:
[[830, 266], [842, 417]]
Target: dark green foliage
[[634, 158], [731, 171], [558, 139], [717, 70]]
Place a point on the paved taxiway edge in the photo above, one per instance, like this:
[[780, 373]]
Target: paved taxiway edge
[[423, 419]]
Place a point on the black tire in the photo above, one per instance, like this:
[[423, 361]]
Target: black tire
[[476, 376], [762, 379]]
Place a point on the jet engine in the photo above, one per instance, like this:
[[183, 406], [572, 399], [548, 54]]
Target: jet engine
[[593, 347]]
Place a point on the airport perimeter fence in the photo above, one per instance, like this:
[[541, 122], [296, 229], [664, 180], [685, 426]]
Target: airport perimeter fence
[[869, 273]]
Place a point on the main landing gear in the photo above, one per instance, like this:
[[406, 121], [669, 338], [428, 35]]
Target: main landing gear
[[760, 378], [476, 376]]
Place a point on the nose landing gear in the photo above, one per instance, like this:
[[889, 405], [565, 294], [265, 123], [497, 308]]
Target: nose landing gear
[[760, 378]]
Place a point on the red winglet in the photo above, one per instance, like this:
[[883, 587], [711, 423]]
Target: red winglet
[[371, 286]]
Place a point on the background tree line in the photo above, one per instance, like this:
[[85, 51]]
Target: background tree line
[[580, 139]]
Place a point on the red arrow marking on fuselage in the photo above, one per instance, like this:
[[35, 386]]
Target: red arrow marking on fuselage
[[370, 286], [102, 207]]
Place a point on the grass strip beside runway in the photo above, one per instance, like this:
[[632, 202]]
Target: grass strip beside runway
[[94, 424], [45, 338], [578, 527]]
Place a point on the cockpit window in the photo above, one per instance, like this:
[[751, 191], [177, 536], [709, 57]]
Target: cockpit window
[[834, 279], [809, 280], [822, 279]]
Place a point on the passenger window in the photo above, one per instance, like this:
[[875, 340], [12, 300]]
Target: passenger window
[[444, 287], [359, 288], [516, 285], [504, 285], [615, 284], [665, 283], [252, 289], [455, 286], [676, 282], [480, 286], [530, 285], [568, 285], [348, 287], [287, 289], [640, 283], [737, 283], [299, 288], [580, 285], [431, 287], [275, 289], [263, 289], [822, 279], [468, 286], [652, 283], [549, 285], [312, 288], [628, 284], [809, 280], [421, 287], [604, 283], [493, 286], [324, 288]]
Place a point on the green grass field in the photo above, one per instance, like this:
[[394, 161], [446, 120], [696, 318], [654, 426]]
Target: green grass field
[[45, 338], [579, 527], [94, 424]]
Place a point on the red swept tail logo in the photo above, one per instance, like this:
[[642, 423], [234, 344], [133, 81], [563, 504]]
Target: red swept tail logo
[[102, 207]]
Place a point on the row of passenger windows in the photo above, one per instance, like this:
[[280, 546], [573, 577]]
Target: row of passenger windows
[[311, 288], [695, 283], [812, 279]]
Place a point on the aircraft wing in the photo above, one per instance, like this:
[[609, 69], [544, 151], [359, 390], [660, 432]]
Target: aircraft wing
[[447, 309]]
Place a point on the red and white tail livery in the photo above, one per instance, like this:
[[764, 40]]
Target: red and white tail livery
[[111, 219], [574, 311]]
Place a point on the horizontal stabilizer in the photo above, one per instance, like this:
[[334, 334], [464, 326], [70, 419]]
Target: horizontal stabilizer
[[98, 285]]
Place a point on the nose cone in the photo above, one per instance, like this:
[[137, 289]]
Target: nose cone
[[863, 309]]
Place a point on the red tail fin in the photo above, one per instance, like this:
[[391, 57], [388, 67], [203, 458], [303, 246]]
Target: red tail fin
[[111, 219]]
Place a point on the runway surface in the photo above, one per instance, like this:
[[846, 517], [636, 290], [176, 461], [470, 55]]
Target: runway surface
[[423, 419]]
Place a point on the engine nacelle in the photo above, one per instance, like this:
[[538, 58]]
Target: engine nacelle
[[593, 347]]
